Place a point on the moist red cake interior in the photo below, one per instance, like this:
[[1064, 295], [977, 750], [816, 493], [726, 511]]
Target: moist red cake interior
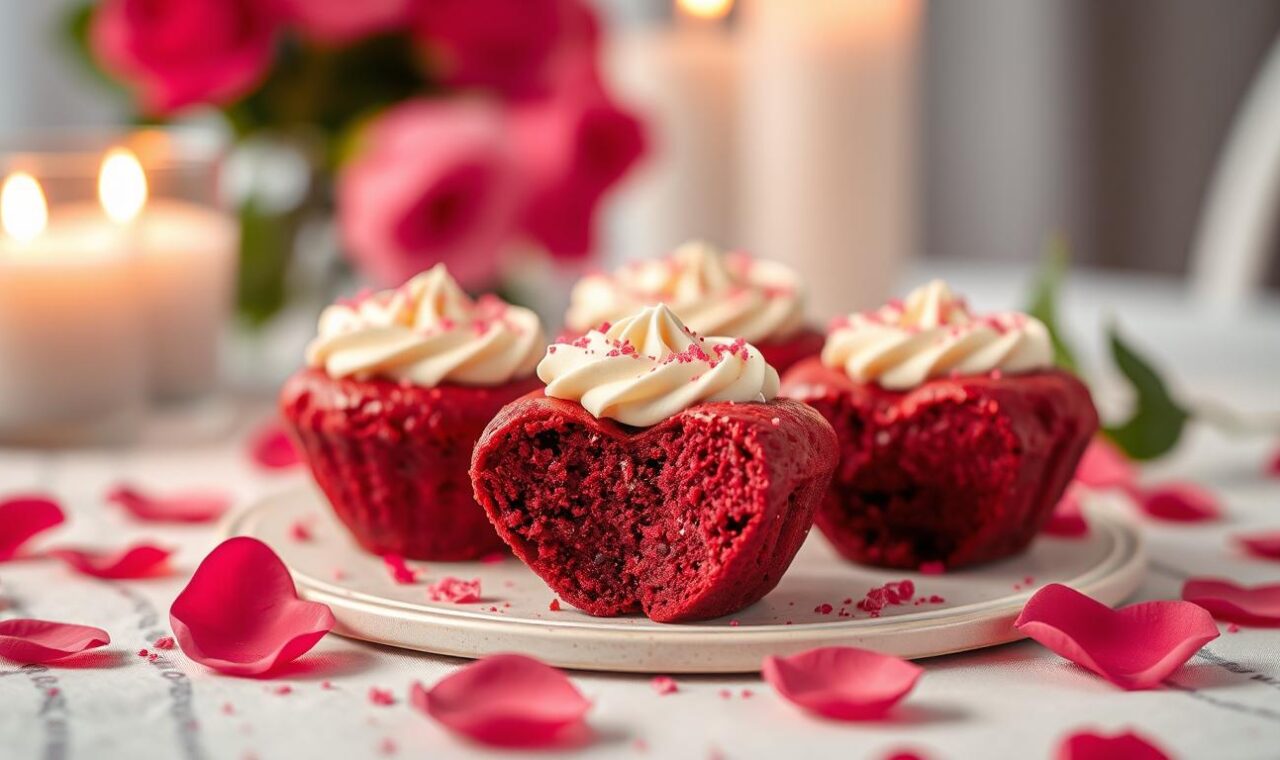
[[693, 519]]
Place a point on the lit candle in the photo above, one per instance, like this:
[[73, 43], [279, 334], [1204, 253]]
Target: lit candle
[[827, 146], [683, 79], [72, 350]]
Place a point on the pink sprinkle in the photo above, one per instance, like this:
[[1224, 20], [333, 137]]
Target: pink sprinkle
[[52, 692], [326, 685], [339, 574], [381, 697], [748, 694], [143, 653], [456, 590], [664, 685], [734, 623], [1233, 628], [153, 657], [282, 690], [932, 568], [400, 571], [824, 609], [164, 642], [387, 747], [725, 694], [228, 708], [935, 599], [554, 606], [299, 531]]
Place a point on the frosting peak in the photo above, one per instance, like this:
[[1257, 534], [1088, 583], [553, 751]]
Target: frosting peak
[[427, 332], [649, 366], [714, 292], [931, 334]]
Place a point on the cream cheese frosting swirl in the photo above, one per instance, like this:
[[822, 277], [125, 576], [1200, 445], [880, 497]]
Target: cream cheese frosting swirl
[[714, 292], [932, 334], [649, 366], [427, 332]]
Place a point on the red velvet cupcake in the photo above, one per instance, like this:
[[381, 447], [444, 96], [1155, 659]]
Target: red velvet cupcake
[[400, 385], [657, 474], [713, 292], [957, 435]]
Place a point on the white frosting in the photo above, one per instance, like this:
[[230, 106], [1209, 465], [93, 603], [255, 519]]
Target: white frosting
[[714, 292], [933, 334], [428, 332], [649, 367]]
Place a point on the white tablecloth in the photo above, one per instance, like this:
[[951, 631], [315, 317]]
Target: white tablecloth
[[1013, 701]]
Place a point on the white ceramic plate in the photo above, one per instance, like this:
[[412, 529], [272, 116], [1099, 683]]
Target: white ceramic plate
[[979, 608]]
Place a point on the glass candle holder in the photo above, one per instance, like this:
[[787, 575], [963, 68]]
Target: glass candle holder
[[116, 276]]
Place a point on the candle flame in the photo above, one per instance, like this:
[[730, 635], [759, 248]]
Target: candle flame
[[23, 211], [122, 185], [710, 10]]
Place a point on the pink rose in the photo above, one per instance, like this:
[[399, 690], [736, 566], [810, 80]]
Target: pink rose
[[340, 21], [177, 53], [436, 182], [573, 146], [507, 45]]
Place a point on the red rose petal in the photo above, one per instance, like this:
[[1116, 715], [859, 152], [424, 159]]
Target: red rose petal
[[187, 507], [455, 590], [844, 683], [1179, 502], [1264, 545], [1105, 466], [23, 517], [1067, 520], [1134, 647], [1251, 605], [506, 700], [137, 561], [28, 641], [271, 447], [1087, 745], [241, 614]]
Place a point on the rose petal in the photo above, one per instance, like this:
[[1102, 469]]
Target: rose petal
[[455, 590], [1105, 466], [844, 683], [241, 614], [1134, 647], [1067, 520], [1087, 745], [1178, 502], [506, 700], [137, 561], [28, 641], [23, 517], [1251, 605], [271, 447], [188, 507], [1264, 545]]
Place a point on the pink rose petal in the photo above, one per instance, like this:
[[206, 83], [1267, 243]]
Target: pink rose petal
[[844, 683], [507, 700], [1264, 545], [1067, 520], [241, 614], [270, 447], [1251, 605], [1134, 647], [1087, 745], [455, 590], [137, 561], [1105, 466], [186, 507], [23, 517], [1178, 502], [28, 641]]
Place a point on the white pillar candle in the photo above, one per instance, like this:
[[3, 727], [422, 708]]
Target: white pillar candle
[[72, 350], [827, 145], [683, 80]]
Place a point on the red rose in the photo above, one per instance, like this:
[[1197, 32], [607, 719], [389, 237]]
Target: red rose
[[339, 21], [436, 182], [573, 146], [178, 53]]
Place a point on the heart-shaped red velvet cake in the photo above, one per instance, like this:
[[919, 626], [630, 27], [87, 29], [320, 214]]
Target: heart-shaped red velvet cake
[[957, 470], [695, 517]]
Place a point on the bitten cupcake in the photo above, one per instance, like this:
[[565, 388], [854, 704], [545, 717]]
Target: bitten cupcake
[[658, 473], [713, 292], [957, 435], [398, 387]]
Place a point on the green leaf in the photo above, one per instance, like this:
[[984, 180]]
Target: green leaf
[[266, 243], [1044, 298], [1158, 419]]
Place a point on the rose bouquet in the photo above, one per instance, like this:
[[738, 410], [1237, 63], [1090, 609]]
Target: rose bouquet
[[440, 130]]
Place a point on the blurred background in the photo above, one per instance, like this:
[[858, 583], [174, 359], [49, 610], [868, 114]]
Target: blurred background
[[862, 142]]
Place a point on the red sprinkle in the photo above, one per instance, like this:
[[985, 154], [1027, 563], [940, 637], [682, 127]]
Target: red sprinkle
[[400, 571], [554, 606], [143, 653], [327, 685], [299, 531], [164, 642], [664, 685], [387, 747], [734, 623], [456, 590], [283, 689], [1233, 628], [824, 609], [381, 697], [228, 708]]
